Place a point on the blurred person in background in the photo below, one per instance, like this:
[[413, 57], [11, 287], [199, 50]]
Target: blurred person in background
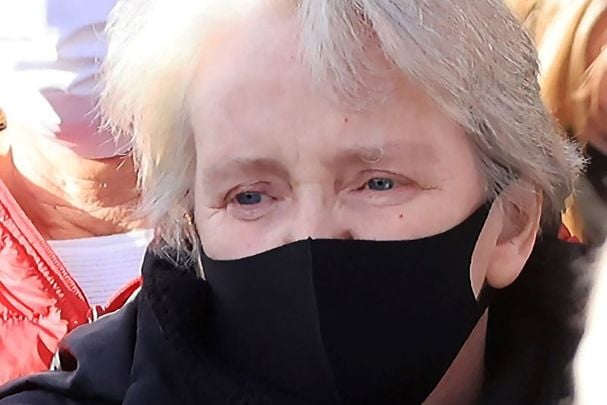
[[571, 36], [591, 359], [70, 249], [354, 202]]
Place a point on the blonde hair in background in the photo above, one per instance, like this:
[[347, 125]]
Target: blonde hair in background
[[561, 30], [482, 75], [569, 83]]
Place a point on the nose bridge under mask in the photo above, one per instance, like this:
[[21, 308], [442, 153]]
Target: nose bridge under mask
[[317, 217]]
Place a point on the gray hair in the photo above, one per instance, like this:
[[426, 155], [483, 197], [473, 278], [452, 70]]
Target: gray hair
[[471, 57]]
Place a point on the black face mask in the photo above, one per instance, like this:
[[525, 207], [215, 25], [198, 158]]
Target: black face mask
[[348, 321]]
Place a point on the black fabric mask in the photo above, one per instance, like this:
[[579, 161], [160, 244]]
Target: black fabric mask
[[348, 321]]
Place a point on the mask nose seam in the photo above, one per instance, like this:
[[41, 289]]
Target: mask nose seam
[[310, 258]]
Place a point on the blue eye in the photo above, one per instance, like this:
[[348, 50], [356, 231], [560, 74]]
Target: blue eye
[[380, 184], [249, 198]]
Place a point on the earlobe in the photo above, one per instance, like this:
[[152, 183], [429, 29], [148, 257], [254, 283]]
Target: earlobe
[[521, 209]]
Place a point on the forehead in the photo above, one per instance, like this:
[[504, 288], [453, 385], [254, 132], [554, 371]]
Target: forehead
[[253, 82], [255, 57]]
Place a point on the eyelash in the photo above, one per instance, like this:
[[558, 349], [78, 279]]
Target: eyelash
[[248, 212], [398, 180], [233, 196], [383, 179], [395, 194]]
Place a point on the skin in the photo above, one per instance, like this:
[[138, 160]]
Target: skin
[[278, 161], [64, 195]]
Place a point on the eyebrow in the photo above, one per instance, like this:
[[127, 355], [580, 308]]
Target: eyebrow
[[243, 165]]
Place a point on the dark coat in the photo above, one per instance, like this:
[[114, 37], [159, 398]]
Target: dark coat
[[153, 351]]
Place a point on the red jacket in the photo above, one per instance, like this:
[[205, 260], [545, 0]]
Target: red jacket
[[39, 300]]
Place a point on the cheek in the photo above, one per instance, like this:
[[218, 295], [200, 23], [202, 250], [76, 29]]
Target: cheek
[[225, 238], [413, 220], [222, 236]]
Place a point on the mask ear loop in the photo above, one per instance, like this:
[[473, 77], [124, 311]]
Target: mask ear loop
[[196, 245]]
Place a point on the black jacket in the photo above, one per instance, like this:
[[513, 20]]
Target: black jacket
[[153, 351]]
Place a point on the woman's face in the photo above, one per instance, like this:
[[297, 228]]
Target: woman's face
[[278, 161]]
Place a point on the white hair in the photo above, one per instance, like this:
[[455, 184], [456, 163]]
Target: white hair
[[471, 57]]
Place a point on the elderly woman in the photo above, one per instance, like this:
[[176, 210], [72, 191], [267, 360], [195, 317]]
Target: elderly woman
[[347, 198]]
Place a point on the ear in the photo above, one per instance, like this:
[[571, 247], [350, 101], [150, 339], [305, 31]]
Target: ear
[[517, 213]]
